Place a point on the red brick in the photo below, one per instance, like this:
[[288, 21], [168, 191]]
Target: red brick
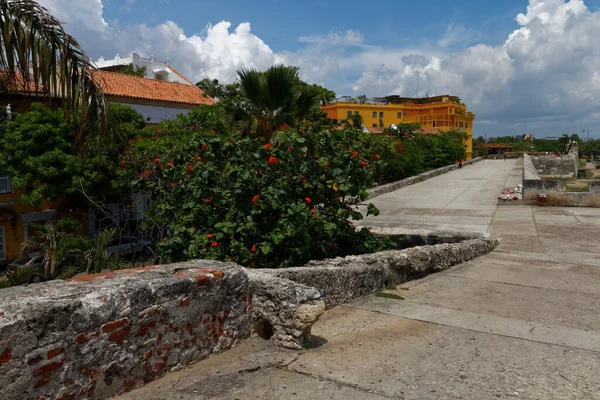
[[88, 278], [130, 384], [45, 379], [147, 355], [227, 312], [5, 357], [203, 280], [151, 324], [186, 343], [85, 336], [111, 326], [185, 302], [160, 366], [47, 368], [54, 352], [143, 330], [119, 336], [35, 360]]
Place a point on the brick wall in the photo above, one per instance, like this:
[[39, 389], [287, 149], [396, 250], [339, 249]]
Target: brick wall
[[104, 334]]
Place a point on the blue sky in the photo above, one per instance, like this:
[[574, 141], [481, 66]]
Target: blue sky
[[281, 23], [523, 66]]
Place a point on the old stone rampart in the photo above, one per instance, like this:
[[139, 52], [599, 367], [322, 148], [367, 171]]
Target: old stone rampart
[[111, 332], [390, 187], [101, 335], [341, 280]]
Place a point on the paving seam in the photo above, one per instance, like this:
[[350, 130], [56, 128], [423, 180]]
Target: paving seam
[[568, 332], [339, 383], [519, 284]]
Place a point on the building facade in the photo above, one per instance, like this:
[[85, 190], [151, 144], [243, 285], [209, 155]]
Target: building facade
[[161, 94], [434, 114]]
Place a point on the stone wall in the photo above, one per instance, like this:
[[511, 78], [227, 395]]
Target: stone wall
[[390, 187], [566, 199], [100, 335], [108, 333], [341, 280], [533, 182], [594, 187], [562, 166]]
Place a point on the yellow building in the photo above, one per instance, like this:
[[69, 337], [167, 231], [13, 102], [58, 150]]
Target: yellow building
[[434, 114]]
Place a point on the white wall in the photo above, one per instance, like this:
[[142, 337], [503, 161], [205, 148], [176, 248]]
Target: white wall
[[155, 114]]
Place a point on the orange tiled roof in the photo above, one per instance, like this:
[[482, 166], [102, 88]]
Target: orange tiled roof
[[18, 85], [179, 75], [128, 86], [376, 130]]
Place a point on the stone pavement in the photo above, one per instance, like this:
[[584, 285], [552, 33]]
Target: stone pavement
[[521, 322]]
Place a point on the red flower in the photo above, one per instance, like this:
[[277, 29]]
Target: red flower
[[208, 201], [198, 158], [209, 235], [212, 132], [123, 162], [284, 127], [268, 146], [313, 211], [138, 139], [253, 249], [377, 156], [255, 200], [190, 168], [355, 154], [327, 164], [130, 141], [204, 147], [169, 164], [146, 173], [307, 200], [156, 160], [214, 244], [272, 160], [364, 164], [290, 148]]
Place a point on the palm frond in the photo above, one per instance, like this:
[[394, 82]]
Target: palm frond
[[37, 50]]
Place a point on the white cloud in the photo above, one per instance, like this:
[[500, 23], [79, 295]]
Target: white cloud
[[543, 78]]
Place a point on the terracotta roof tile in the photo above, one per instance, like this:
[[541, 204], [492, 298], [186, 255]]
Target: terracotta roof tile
[[17, 85], [179, 75], [429, 131], [128, 86]]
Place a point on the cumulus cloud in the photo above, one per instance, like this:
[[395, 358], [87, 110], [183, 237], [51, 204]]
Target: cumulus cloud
[[542, 78]]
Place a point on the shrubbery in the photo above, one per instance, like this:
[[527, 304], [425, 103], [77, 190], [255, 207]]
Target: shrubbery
[[228, 197]]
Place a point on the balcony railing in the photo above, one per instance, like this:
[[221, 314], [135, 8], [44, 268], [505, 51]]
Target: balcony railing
[[5, 185]]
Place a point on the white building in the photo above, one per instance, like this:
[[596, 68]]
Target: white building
[[161, 94]]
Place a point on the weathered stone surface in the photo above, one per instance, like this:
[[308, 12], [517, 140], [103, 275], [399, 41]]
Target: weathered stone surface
[[341, 280], [390, 187], [594, 187], [111, 333], [282, 310]]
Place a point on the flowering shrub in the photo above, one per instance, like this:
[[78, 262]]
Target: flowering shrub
[[228, 197]]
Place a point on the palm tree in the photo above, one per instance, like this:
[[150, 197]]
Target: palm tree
[[53, 242], [273, 98], [93, 254], [37, 52]]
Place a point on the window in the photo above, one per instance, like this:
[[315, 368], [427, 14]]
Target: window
[[349, 113], [374, 125], [405, 114], [381, 115], [2, 244], [399, 115], [374, 114], [356, 113], [5, 186], [434, 124], [466, 125]]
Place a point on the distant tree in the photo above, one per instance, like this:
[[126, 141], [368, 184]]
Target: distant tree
[[130, 69], [403, 130], [212, 88]]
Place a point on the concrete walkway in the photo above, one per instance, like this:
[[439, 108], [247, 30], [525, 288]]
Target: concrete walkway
[[521, 322]]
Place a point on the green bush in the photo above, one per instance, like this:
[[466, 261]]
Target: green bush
[[224, 196]]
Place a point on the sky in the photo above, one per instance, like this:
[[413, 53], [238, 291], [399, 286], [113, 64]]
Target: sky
[[521, 66]]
